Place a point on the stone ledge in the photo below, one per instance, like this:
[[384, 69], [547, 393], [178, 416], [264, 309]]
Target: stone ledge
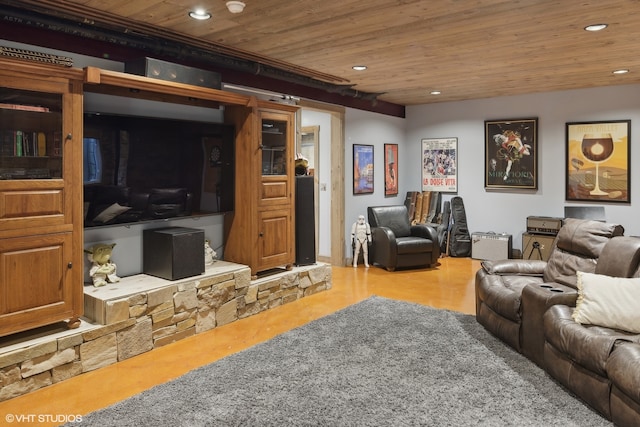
[[143, 312]]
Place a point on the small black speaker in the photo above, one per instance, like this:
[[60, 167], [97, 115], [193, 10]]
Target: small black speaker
[[305, 221], [173, 253]]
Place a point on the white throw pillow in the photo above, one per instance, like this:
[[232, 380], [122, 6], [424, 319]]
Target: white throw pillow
[[612, 302], [111, 212]]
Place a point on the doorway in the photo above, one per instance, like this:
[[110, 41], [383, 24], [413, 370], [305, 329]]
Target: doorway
[[321, 140]]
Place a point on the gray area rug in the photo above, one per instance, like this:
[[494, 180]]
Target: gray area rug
[[380, 362]]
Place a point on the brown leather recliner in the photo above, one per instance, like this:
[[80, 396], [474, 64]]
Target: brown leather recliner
[[623, 370], [578, 355], [396, 243], [500, 284]]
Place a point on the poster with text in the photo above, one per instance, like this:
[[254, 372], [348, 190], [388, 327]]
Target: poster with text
[[439, 160]]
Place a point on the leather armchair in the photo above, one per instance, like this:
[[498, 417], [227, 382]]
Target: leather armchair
[[396, 243]]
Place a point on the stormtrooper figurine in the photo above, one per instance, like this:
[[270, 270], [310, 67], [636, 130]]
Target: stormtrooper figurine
[[360, 238]]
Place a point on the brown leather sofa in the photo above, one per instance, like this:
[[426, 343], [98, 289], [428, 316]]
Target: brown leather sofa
[[512, 295], [577, 355], [600, 365], [396, 243]]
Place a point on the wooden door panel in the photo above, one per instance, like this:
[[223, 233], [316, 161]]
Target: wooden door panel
[[275, 238], [32, 272]]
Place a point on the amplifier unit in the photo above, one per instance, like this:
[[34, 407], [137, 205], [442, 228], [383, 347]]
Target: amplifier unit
[[543, 225], [536, 246], [491, 246]]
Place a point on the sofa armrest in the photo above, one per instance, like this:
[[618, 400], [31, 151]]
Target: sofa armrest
[[384, 247], [515, 267], [425, 231]]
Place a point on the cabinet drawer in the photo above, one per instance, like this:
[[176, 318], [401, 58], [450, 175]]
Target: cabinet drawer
[[274, 191], [24, 204]]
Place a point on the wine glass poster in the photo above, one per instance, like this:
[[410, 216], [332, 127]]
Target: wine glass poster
[[598, 162], [511, 154]]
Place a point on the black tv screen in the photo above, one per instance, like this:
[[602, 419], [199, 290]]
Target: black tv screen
[[146, 152]]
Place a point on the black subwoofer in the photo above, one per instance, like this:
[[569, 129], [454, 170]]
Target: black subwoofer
[[173, 253], [305, 221]]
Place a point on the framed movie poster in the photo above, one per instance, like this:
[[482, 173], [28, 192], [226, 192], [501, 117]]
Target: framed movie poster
[[390, 169], [598, 161], [511, 154], [362, 169], [439, 160]]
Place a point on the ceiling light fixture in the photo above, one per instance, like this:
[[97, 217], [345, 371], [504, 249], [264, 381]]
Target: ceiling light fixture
[[596, 27], [621, 71], [200, 14], [359, 67], [235, 6], [435, 92]]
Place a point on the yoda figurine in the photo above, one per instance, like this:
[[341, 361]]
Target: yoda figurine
[[102, 270]]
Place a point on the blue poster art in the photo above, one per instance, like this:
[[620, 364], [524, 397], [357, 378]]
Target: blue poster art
[[362, 169]]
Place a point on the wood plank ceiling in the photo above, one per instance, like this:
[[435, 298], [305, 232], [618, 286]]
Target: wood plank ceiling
[[467, 49]]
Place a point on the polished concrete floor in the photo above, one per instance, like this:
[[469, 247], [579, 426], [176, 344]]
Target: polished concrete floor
[[449, 286]]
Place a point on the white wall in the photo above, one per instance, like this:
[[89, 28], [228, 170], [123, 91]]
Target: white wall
[[494, 210], [363, 127], [506, 211]]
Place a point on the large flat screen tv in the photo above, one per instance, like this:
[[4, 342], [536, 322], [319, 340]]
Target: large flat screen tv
[[143, 153]]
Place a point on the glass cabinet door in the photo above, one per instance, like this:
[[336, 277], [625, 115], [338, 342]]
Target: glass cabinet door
[[274, 147], [30, 134]]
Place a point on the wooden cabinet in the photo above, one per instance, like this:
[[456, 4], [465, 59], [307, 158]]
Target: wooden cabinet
[[41, 263], [260, 231]]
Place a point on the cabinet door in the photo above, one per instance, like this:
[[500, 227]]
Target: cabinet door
[[275, 245], [36, 281], [276, 143], [35, 154]]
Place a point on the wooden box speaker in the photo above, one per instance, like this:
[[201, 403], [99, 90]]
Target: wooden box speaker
[[173, 253], [536, 246], [171, 72]]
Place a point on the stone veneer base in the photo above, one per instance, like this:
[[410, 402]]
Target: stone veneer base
[[140, 313]]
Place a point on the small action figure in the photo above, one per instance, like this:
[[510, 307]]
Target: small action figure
[[360, 238], [209, 254], [102, 270]]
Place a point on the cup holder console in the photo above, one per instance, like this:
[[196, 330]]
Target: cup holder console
[[551, 288]]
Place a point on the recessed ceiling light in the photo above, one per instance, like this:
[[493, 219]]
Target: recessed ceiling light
[[596, 27], [359, 67], [435, 92], [621, 71], [200, 14]]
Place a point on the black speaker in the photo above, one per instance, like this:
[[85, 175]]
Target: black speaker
[[173, 253], [305, 221], [163, 70]]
